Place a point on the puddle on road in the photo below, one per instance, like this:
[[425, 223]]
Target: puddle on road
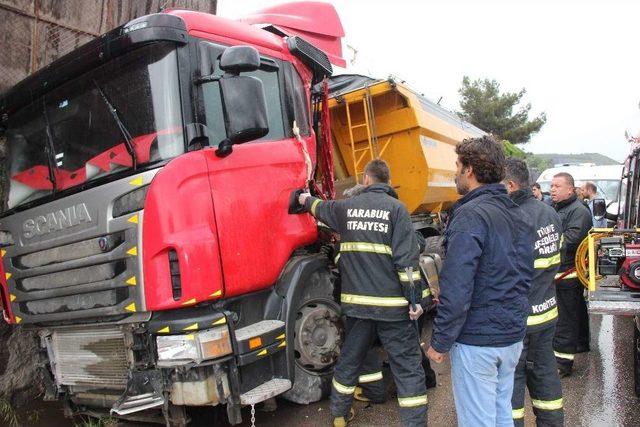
[[600, 393], [609, 412]]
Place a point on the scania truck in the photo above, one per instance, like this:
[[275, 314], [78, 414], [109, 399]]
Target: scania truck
[[154, 251]]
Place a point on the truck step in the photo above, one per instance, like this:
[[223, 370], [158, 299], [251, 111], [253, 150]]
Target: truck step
[[258, 329], [259, 335], [265, 391]]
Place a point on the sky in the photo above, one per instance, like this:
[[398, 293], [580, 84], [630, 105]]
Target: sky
[[578, 60]]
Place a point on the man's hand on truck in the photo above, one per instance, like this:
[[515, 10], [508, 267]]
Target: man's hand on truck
[[303, 198]]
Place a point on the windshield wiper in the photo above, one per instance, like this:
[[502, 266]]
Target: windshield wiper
[[128, 140], [50, 147]]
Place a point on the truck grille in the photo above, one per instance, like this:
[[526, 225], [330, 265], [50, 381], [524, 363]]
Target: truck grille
[[91, 278], [69, 252], [91, 357]]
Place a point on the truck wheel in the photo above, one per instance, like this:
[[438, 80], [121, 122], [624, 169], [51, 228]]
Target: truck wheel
[[318, 337], [433, 245], [636, 359]]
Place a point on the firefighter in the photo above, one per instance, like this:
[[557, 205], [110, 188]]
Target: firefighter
[[378, 265], [372, 386], [537, 369], [572, 330]]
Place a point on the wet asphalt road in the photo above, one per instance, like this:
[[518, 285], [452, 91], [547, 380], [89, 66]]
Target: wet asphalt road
[[598, 394]]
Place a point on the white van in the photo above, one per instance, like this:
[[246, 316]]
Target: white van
[[606, 178]]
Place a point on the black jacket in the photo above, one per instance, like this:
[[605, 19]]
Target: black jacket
[[576, 223], [377, 242], [486, 275], [546, 253]]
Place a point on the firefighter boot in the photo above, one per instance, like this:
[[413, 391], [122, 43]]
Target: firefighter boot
[[343, 421]]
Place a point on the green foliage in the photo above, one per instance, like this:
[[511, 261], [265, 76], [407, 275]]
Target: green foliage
[[484, 106], [8, 414], [538, 163], [535, 163], [512, 151]]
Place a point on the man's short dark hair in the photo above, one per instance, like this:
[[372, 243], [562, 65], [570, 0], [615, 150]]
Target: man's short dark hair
[[485, 155], [591, 187], [516, 170], [535, 185], [378, 171], [566, 176]]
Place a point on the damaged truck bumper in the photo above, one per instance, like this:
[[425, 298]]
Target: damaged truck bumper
[[191, 357]]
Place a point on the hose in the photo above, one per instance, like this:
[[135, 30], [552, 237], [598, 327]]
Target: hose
[[582, 258]]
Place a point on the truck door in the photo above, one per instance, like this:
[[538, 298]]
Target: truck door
[[251, 187]]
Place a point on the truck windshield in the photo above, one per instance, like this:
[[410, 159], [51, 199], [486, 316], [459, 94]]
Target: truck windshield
[[123, 113]]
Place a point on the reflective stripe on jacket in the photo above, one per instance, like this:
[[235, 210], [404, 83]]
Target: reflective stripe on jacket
[[546, 250], [377, 243]]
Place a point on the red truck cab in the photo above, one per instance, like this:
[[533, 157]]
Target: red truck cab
[[148, 233]]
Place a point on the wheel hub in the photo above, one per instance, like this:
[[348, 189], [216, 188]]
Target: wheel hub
[[318, 336]]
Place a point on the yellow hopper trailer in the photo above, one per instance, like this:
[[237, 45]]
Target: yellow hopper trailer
[[386, 119]]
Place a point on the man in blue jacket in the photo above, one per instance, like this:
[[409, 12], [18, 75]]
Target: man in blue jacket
[[484, 287]]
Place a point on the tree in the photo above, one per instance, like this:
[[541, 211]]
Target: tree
[[484, 106]]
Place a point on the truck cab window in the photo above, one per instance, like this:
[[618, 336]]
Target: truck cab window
[[297, 99], [212, 102]]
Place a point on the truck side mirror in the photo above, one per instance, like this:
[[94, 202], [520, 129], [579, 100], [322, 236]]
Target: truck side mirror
[[239, 59], [244, 109], [612, 211], [243, 100], [599, 208]]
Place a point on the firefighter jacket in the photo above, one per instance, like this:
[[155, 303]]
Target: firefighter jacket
[[546, 253], [486, 274], [576, 223], [377, 242]]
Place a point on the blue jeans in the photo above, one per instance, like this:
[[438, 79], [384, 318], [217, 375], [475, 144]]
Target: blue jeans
[[483, 383]]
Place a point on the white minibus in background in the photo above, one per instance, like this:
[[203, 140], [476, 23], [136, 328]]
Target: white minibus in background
[[606, 178]]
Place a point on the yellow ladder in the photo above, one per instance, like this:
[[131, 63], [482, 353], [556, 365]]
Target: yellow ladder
[[361, 155]]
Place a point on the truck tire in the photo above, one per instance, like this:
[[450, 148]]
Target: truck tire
[[433, 245], [318, 337]]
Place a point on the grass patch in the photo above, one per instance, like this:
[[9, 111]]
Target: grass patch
[[8, 414]]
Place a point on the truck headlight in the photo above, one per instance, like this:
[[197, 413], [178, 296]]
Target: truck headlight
[[195, 347]]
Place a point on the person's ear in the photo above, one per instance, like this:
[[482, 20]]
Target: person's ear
[[469, 171]]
